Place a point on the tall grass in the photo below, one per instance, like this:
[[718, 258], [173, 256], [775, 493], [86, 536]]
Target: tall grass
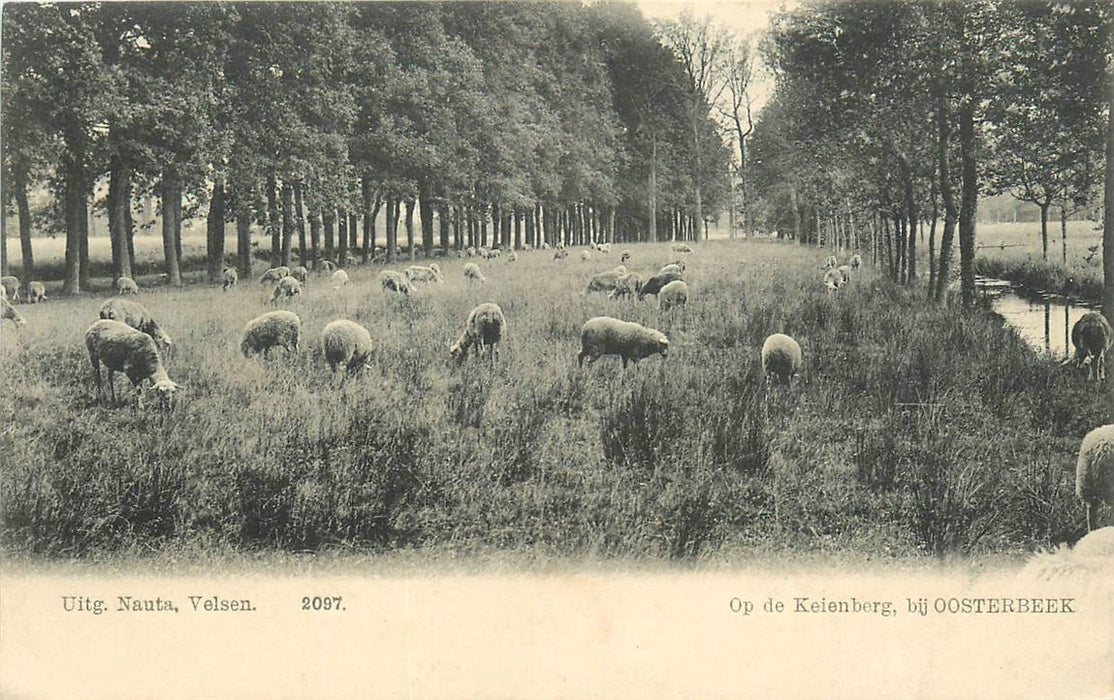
[[911, 430]]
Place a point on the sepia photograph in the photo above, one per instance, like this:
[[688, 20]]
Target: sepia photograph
[[557, 349]]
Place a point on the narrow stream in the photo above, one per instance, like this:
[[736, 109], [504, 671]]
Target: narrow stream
[[1044, 321]]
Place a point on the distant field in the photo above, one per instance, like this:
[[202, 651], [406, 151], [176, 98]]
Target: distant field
[[1023, 241]]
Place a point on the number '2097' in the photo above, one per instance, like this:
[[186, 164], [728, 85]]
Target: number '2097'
[[322, 603]]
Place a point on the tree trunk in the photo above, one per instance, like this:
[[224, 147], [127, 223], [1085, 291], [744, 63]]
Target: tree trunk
[[946, 195], [129, 235], [84, 271], [1064, 234], [287, 220], [215, 232], [300, 225], [24, 211], [369, 228], [425, 209], [392, 228], [969, 196], [1108, 233], [273, 225], [410, 228], [342, 238], [932, 247], [458, 240], [4, 235], [328, 220], [910, 215], [314, 233], [1044, 229], [243, 240], [443, 226], [367, 195], [795, 206], [653, 203], [171, 194]]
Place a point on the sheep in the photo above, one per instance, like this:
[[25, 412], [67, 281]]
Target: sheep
[[484, 329], [604, 335], [346, 343], [417, 273], [681, 248], [470, 251], [126, 285], [287, 288], [527, 247], [545, 245], [300, 273], [137, 316], [604, 247], [229, 278], [624, 256], [845, 273], [626, 284], [350, 259], [674, 294], [339, 278], [473, 274], [833, 279], [585, 256], [561, 254], [9, 312], [394, 281], [621, 269], [121, 348], [1094, 471], [274, 274], [830, 263], [856, 261], [512, 256], [1092, 336], [3, 293], [36, 292], [272, 329], [602, 282], [679, 263], [11, 287], [671, 267], [324, 265], [1091, 560], [655, 283], [781, 358]]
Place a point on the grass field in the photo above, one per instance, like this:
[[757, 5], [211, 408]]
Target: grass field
[[1019, 257], [911, 431]]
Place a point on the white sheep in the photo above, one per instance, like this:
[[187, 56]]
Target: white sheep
[[473, 274], [324, 265], [671, 267], [1090, 561], [1092, 336], [831, 262], [3, 292], [545, 245], [339, 278], [512, 256], [602, 282], [629, 283], [346, 343], [300, 273], [621, 269], [470, 251], [121, 348], [350, 259], [483, 330], [9, 312], [833, 279], [845, 273], [585, 256], [417, 273], [604, 335], [781, 358], [655, 283], [1094, 471], [10, 284], [36, 292], [287, 288], [679, 263], [681, 248], [229, 278], [273, 329], [856, 261], [527, 247], [675, 294], [604, 247], [560, 254], [135, 315], [274, 274], [394, 281], [126, 285]]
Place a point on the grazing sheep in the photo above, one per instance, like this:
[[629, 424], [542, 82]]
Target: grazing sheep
[[287, 288], [856, 261], [602, 282], [844, 272], [585, 256], [1094, 472], [473, 274], [604, 247], [545, 245], [350, 259], [671, 267], [229, 278], [36, 292], [300, 273], [833, 279], [324, 265], [274, 274], [346, 343], [11, 287], [470, 252], [512, 256], [561, 254], [604, 335], [135, 315], [621, 269], [781, 358], [126, 285], [655, 283], [483, 329], [672, 295], [122, 348], [273, 329], [1089, 562], [625, 256], [681, 248], [9, 312], [626, 284], [679, 263], [394, 281], [340, 278], [1092, 336], [417, 273], [830, 262]]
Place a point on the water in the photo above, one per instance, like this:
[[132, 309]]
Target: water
[[1044, 321]]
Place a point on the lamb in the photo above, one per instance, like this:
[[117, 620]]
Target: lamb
[[340, 278], [472, 273], [856, 261], [1094, 472], [126, 285], [274, 274], [394, 281], [781, 358], [561, 254], [122, 348], [833, 279], [626, 284], [655, 283], [672, 295], [624, 256], [602, 282], [585, 256], [272, 329], [830, 263], [484, 329], [9, 312], [1092, 336], [287, 288], [604, 335], [346, 343], [11, 287], [36, 292], [300, 273], [137, 316], [671, 267], [417, 273], [680, 248], [229, 278]]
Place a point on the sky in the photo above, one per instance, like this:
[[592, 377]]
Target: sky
[[739, 16]]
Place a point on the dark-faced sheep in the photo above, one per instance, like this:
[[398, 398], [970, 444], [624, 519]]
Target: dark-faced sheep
[[560, 254], [624, 256], [282, 329], [833, 279], [348, 344], [627, 284], [655, 283], [36, 292], [287, 288], [7, 311], [781, 358], [856, 261], [831, 262], [394, 281], [603, 282], [1092, 337], [472, 273], [121, 348], [483, 331], [681, 248], [135, 315], [10, 283], [1094, 472], [229, 278], [632, 342]]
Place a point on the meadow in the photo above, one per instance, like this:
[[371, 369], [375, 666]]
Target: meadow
[[1013, 251], [912, 432]]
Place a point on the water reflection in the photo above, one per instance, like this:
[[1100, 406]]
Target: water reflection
[[1032, 314]]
